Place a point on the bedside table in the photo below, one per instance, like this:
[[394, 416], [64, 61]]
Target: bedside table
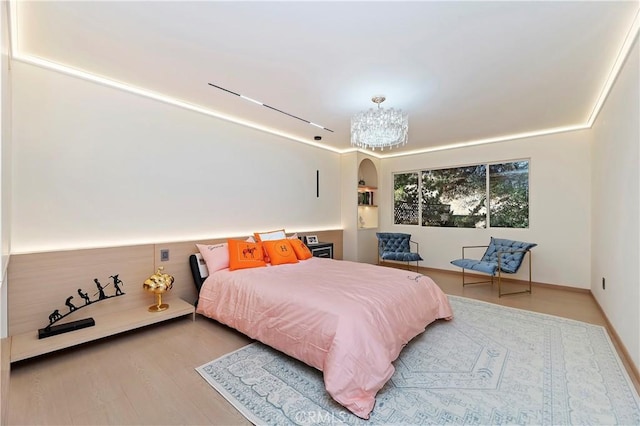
[[321, 250]]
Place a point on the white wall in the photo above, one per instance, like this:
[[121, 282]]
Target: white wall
[[559, 206], [349, 206], [94, 166], [5, 164], [616, 206]]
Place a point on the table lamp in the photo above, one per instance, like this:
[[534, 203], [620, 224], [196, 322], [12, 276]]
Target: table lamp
[[158, 284]]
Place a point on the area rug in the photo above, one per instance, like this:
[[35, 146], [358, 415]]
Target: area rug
[[490, 365]]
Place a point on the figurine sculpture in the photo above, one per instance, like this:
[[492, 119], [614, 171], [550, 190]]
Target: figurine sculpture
[[55, 316], [158, 284]]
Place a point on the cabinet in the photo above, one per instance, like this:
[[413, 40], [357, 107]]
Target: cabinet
[[322, 250]]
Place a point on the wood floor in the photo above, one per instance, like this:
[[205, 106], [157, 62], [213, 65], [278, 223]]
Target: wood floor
[[147, 377]]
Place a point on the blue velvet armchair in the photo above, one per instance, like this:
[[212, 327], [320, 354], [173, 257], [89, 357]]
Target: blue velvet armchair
[[396, 246], [501, 256]]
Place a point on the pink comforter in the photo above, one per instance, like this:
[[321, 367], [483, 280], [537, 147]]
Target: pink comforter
[[349, 320]]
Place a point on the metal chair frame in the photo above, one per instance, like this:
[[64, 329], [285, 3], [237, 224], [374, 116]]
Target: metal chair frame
[[408, 263], [499, 269]]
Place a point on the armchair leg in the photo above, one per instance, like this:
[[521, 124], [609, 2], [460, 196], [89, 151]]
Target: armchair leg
[[409, 266], [464, 283], [528, 290]]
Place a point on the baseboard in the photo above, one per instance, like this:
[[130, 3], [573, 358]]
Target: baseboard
[[5, 370], [514, 281], [616, 338], [425, 270]]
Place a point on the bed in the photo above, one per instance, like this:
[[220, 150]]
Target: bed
[[349, 320]]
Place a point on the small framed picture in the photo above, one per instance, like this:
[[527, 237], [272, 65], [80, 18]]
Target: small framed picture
[[312, 239]]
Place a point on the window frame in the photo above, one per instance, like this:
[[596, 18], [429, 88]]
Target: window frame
[[488, 193]]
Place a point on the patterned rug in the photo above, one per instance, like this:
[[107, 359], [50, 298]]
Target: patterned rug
[[489, 365]]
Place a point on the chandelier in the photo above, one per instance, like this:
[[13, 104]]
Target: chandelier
[[379, 128]]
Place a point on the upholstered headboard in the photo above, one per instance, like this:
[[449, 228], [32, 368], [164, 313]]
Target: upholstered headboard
[[199, 270]]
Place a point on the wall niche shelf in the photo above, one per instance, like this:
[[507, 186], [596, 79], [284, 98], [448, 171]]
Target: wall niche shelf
[[367, 196]]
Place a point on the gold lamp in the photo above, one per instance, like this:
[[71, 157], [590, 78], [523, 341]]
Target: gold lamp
[[158, 284]]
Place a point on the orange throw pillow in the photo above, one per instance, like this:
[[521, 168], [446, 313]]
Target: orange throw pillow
[[302, 251], [243, 254], [280, 252]]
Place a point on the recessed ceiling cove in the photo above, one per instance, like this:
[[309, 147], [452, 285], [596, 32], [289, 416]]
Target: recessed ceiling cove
[[463, 71]]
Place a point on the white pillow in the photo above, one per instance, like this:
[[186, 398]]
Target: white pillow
[[271, 235], [216, 256]]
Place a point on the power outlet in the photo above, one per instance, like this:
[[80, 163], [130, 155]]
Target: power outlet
[[164, 255], [603, 284]]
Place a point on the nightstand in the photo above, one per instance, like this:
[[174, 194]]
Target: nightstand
[[321, 250]]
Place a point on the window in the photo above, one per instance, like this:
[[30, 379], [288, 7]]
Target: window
[[405, 199], [455, 197], [458, 197], [509, 195]]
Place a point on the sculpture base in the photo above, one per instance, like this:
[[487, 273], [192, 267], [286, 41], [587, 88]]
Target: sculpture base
[[64, 328], [158, 308]]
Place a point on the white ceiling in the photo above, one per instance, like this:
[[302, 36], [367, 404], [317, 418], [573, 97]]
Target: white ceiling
[[464, 71]]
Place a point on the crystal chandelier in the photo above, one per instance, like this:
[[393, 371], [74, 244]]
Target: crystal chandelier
[[379, 128]]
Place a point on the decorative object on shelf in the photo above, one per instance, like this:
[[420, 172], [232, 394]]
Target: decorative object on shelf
[[365, 198], [55, 316], [85, 296], [379, 128], [116, 284], [312, 239], [361, 182], [66, 327], [100, 290], [158, 284]]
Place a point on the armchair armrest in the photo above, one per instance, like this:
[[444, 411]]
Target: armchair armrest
[[468, 247], [512, 250]]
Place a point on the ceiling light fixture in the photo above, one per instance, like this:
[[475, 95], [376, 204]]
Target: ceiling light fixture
[[379, 128], [270, 107]]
